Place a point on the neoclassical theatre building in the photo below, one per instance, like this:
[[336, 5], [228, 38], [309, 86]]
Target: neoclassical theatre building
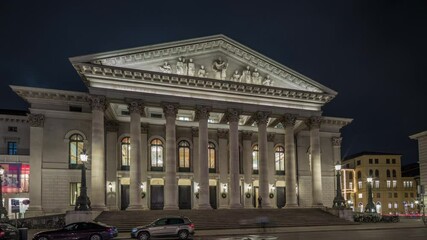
[[204, 123]]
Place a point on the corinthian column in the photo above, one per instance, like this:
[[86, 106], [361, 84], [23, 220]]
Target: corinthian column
[[36, 122], [261, 119], [336, 144], [171, 184], [112, 128], [314, 125], [247, 168], [288, 123], [136, 109], [223, 153], [232, 116], [202, 114], [98, 104]]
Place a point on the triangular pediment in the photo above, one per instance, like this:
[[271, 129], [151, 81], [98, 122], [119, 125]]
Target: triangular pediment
[[216, 57]]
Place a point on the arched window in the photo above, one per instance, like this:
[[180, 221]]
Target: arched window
[[359, 175], [388, 173], [255, 159], [371, 173], [125, 147], [212, 157], [394, 173], [279, 158], [76, 146], [184, 156], [156, 151], [377, 173]]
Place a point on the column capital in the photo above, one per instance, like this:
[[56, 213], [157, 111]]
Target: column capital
[[288, 120], [202, 112], [222, 133], [170, 109], [195, 131], [112, 126], [144, 128], [36, 120], [314, 122], [336, 141], [97, 102], [261, 117], [247, 135], [136, 106], [270, 137], [232, 115]]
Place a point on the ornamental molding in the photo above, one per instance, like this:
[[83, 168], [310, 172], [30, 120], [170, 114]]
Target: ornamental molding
[[14, 119], [289, 120], [336, 121], [232, 115], [336, 141], [202, 112], [314, 122], [261, 117], [31, 95], [136, 106], [170, 109], [36, 120], [97, 102]]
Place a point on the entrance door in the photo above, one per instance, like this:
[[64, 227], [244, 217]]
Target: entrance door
[[124, 199], [281, 196], [157, 200], [212, 196], [184, 193]]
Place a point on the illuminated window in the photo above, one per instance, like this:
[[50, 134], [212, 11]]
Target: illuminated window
[[255, 158], [350, 185], [184, 155], [410, 184], [125, 146], [377, 184], [156, 149], [75, 148], [183, 118], [360, 184], [279, 158], [395, 205], [360, 195], [211, 157], [74, 192], [394, 183], [12, 148], [388, 183], [389, 205], [15, 177]]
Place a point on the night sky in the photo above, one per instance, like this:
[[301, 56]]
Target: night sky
[[373, 53]]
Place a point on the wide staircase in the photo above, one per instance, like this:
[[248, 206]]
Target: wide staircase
[[225, 218]]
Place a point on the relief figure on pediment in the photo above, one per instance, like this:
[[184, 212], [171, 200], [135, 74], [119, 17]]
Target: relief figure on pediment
[[267, 81], [166, 68], [236, 76], [202, 72], [191, 67], [220, 68], [256, 78], [246, 75], [181, 68]]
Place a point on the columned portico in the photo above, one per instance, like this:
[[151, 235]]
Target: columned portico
[[288, 123], [233, 120], [145, 184], [36, 122], [171, 183], [223, 165], [316, 165], [261, 119], [247, 168], [136, 109], [98, 104], [112, 128], [202, 115]]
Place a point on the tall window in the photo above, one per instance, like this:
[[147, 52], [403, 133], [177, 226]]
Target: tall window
[[279, 157], [388, 173], [76, 147], [394, 183], [359, 175], [255, 159], [212, 157], [394, 173], [74, 192], [125, 153], [377, 184], [371, 173], [359, 184], [388, 183], [377, 173], [184, 156], [156, 149], [12, 148]]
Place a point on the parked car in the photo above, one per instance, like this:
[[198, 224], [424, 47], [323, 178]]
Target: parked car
[[8, 232], [173, 226], [80, 230]]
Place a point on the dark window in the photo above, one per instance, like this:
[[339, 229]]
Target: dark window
[[75, 109], [395, 195], [394, 173], [378, 195], [387, 161], [358, 162], [412, 194], [12, 148], [393, 161], [156, 115], [12, 129], [406, 194], [376, 160], [371, 173], [359, 175], [370, 160], [124, 112], [350, 175], [377, 173], [388, 173]]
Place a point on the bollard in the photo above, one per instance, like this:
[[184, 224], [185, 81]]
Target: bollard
[[23, 233]]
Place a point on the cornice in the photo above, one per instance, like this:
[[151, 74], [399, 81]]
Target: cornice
[[342, 122], [13, 119], [32, 95]]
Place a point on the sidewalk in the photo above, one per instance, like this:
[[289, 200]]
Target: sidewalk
[[404, 223]]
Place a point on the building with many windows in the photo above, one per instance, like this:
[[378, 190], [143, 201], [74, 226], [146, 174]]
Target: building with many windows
[[392, 193], [203, 123], [422, 161]]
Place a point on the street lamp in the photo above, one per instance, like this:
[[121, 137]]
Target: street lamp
[[370, 207], [339, 201], [3, 211], [83, 202]]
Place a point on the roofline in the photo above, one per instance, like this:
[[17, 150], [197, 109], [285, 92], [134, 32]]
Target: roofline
[[366, 153], [418, 135]]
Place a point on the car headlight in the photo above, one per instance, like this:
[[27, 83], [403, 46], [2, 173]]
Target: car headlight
[[134, 229]]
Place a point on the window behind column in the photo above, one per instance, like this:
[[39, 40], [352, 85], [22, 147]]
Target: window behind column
[[279, 157], [156, 153], [125, 149], [184, 156], [74, 192], [212, 157], [255, 159], [76, 146]]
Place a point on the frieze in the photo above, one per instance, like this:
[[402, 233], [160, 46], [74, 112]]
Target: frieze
[[36, 120], [336, 141]]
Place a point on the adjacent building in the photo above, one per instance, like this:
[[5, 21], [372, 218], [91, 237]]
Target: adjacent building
[[422, 161], [392, 193], [197, 124]]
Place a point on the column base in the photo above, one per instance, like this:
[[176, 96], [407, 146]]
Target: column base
[[236, 206], [134, 208], [291, 205], [204, 207], [170, 208]]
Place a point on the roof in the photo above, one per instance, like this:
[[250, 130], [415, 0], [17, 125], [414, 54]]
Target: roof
[[369, 153]]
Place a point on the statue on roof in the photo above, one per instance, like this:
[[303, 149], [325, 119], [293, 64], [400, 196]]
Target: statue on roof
[[256, 78], [181, 68], [236, 76], [267, 81], [246, 75], [191, 67], [202, 72]]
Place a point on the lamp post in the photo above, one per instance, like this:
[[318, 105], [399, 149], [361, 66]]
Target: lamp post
[[83, 202], [339, 201], [3, 211], [370, 207]]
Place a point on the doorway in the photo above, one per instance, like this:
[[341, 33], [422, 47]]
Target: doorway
[[212, 196], [184, 193], [281, 196], [157, 198], [124, 197]]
